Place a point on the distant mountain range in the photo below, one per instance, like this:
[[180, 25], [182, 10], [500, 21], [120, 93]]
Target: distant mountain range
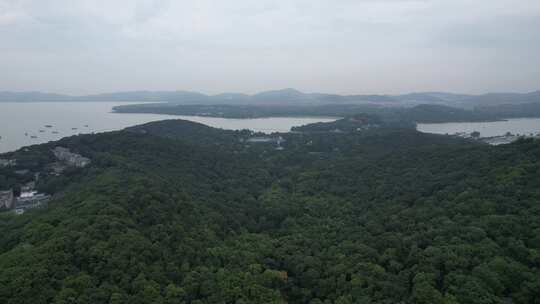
[[284, 97]]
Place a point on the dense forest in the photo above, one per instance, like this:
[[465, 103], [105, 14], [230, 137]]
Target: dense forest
[[177, 212]]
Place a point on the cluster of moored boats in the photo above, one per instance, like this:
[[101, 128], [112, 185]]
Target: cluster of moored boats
[[48, 127]]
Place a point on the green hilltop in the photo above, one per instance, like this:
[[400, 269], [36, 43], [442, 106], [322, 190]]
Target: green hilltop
[[177, 212]]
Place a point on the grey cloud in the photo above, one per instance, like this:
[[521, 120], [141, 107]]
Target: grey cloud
[[345, 46], [514, 32]]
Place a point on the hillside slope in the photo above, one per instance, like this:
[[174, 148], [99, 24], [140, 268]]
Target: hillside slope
[[381, 216]]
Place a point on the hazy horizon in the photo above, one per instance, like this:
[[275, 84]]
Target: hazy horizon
[[269, 90], [346, 47]]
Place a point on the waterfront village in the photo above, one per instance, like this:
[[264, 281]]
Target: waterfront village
[[496, 140], [27, 197]]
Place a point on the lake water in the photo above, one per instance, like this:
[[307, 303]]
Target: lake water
[[70, 118], [521, 126]]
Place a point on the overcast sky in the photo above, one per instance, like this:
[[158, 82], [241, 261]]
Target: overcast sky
[[332, 46]]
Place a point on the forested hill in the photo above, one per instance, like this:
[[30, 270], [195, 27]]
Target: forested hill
[[380, 215], [423, 113]]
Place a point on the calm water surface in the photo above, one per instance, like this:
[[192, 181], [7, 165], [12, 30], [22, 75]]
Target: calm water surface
[[521, 126], [68, 118]]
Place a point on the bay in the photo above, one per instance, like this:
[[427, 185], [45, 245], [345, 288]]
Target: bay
[[24, 124]]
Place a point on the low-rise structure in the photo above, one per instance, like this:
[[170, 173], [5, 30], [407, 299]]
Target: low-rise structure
[[260, 139], [72, 159], [56, 168], [29, 200], [500, 140], [367, 127], [278, 140], [7, 162], [22, 172], [265, 139], [28, 187], [6, 199]]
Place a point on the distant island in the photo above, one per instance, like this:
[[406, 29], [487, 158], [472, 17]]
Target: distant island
[[423, 113], [426, 107]]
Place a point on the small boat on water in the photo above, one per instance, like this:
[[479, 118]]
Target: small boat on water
[[33, 136], [41, 131], [54, 132], [48, 126], [73, 128], [86, 126]]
